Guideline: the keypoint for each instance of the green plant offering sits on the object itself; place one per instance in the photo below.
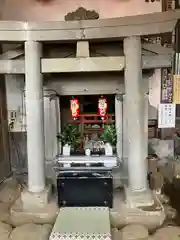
(109, 135)
(69, 136)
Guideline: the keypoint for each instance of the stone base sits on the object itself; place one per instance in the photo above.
(42, 215)
(139, 199)
(134, 232)
(150, 216)
(35, 200)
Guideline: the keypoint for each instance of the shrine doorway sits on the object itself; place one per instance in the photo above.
(89, 123)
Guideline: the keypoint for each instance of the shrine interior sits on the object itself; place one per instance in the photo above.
(89, 123)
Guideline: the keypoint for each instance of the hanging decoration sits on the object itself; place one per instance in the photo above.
(102, 107)
(75, 109)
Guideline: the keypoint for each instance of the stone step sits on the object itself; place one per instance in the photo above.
(92, 223)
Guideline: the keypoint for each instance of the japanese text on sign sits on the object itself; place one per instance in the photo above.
(166, 115)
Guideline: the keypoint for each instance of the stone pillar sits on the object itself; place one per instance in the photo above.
(119, 125)
(137, 168)
(59, 124)
(35, 117)
(146, 106)
(82, 49)
(125, 137)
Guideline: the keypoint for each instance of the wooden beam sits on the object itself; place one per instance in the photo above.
(13, 53)
(157, 49)
(157, 61)
(98, 64)
(148, 53)
(115, 28)
(82, 50)
(95, 64)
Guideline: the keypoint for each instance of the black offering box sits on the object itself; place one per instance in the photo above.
(85, 188)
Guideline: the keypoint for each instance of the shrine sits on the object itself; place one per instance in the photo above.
(131, 97)
(83, 87)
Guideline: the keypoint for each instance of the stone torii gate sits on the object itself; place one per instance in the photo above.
(128, 29)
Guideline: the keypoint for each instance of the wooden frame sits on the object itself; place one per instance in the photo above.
(83, 119)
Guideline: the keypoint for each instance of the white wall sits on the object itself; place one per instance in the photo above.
(14, 89)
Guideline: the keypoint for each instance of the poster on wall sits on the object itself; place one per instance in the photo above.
(176, 89)
(167, 86)
(166, 115)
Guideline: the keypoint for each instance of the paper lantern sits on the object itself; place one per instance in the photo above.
(74, 108)
(102, 107)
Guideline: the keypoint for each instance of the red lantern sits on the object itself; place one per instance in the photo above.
(102, 107)
(74, 108)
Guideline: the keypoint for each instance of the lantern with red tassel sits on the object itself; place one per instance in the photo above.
(75, 109)
(102, 107)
